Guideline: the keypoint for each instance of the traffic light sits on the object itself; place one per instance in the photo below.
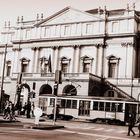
(19, 78)
(58, 77)
(34, 85)
(55, 89)
(33, 94)
(18, 90)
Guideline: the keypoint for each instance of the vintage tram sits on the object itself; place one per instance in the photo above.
(105, 109)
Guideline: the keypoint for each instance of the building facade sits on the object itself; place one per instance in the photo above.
(89, 48)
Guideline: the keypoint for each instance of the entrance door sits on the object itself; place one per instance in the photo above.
(130, 109)
(84, 108)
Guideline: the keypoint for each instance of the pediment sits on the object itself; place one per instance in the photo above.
(67, 15)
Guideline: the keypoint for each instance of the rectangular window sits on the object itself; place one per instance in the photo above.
(112, 70)
(113, 107)
(8, 70)
(84, 108)
(27, 34)
(47, 32)
(64, 67)
(107, 107)
(52, 102)
(120, 107)
(95, 105)
(89, 28)
(63, 102)
(24, 67)
(68, 103)
(43, 104)
(101, 106)
(115, 26)
(74, 104)
(67, 30)
(86, 67)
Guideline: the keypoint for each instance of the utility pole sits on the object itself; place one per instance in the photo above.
(104, 43)
(2, 79)
(58, 80)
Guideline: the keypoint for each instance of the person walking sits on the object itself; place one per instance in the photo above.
(32, 109)
(28, 110)
(138, 121)
(131, 123)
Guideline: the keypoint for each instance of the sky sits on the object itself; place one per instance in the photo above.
(11, 9)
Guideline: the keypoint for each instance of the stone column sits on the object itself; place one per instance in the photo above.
(56, 58)
(16, 62)
(128, 59)
(77, 59)
(33, 59)
(97, 60)
(1, 62)
(36, 66)
(72, 65)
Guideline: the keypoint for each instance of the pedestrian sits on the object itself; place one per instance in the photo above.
(131, 123)
(56, 112)
(19, 108)
(24, 108)
(28, 110)
(13, 112)
(32, 109)
(138, 121)
(6, 108)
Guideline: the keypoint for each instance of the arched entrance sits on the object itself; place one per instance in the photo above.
(22, 96)
(70, 90)
(45, 89)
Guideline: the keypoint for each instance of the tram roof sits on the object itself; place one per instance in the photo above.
(99, 98)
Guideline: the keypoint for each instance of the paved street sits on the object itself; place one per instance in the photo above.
(74, 130)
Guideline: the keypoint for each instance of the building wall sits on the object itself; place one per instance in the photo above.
(74, 34)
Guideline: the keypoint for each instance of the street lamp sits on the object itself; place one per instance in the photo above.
(2, 79)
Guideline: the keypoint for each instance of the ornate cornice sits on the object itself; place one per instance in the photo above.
(2, 52)
(16, 49)
(35, 48)
(126, 44)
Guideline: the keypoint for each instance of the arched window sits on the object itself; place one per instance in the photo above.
(45, 89)
(70, 90)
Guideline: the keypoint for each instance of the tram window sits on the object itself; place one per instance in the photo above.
(113, 107)
(84, 108)
(101, 106)
(63, 103)
(43, 103)
(107, 108)
(139, 109)
(74, 104)
(120, 107)
(95, 105)
(68, 103)
(52, 102)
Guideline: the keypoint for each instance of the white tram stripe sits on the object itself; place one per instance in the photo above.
(102, 137)
(110, 130)
(97, 129)
(122, 131)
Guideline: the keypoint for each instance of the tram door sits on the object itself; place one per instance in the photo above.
(84, 108)
(130, 108)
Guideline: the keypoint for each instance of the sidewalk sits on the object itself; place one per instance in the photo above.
(22, 121)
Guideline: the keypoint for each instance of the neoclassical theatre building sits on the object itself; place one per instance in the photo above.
(97, 51)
